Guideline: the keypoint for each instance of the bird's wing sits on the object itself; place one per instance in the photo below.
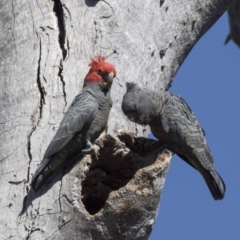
(187, 129)
(186, 111)
(81, 112)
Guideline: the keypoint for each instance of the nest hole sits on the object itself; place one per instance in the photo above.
(114, 169)
(101, 180)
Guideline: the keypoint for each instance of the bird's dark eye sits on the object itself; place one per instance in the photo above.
(99, 70)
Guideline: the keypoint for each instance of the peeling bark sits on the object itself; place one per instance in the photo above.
(109, 194)
(120, 189)
(45, 50)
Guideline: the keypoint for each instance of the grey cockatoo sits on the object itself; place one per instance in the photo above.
(82, 124)
(172, 121)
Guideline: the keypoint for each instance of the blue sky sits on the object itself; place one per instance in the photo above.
(209, 80)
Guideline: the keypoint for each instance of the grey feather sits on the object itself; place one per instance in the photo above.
(173, 122)
(165, 124)
(82, 124)
(81, 112)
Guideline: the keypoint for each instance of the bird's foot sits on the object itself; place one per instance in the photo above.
(99, 143)
(90, 149)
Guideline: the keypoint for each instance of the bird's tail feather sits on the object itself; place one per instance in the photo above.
(215, 184)
(41, 175)
(40, 181)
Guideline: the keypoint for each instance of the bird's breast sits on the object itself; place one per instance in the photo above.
(100, 120)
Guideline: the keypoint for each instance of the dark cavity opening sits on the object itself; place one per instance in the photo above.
(115, 168)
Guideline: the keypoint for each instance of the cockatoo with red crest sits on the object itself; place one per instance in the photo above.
(82, 124)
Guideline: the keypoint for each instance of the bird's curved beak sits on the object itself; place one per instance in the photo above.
(108, 79)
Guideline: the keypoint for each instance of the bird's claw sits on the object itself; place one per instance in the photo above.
(90, 149)
(99, 143)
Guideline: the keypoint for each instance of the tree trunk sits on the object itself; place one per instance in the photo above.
(234, 23)
(45, 50)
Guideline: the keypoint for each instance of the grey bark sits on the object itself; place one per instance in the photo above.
(234, 23)
(45, 50)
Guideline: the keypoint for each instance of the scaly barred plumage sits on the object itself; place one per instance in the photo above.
(82, 124)
(172, 121)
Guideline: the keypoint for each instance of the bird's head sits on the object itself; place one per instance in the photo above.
(101, 73)
(137, 104)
